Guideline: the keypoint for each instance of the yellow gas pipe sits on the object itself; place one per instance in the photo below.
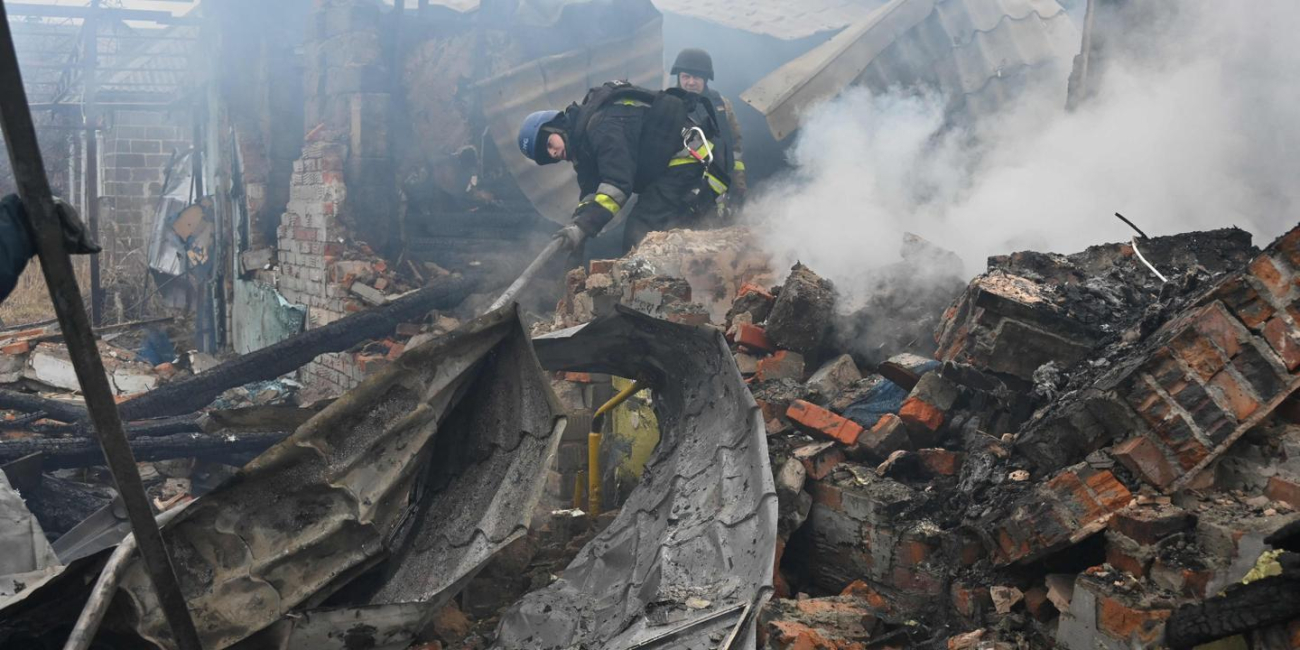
(593, 446)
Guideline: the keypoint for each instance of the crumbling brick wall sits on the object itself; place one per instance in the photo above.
(342, 192)
(137, 147)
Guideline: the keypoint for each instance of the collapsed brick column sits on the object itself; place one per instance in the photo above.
(1218, 370)
(342, 195)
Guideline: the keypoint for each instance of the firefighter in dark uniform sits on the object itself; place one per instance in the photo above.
(694, 70)
(623, 140)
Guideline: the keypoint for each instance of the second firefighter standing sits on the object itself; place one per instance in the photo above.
(693, 71)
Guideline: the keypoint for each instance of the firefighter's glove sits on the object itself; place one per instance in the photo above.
(591, 217)
(76, 238)
(571, 235)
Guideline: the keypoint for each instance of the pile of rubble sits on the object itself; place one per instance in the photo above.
(1074, 452)
(1089, 447)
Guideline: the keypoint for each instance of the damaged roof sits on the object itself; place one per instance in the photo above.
(414, 479)
(783, 20)
(979, 52)
(689, 559)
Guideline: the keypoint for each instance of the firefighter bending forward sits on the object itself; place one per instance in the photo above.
(622, 140)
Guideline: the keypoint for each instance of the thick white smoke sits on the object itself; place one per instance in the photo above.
(1204, 134)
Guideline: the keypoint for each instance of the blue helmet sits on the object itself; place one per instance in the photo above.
(531, 142)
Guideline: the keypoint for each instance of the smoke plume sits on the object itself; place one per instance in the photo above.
(1197, 131)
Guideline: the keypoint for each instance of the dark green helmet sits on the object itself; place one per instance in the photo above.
(694, 61)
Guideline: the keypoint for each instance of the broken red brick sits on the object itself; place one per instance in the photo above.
(860, 589)
(1146, 459)
(888, 436)
(970, 601)
(1240, 398)
(814, 419)
(1110, 493)
(753, 337)
(578, 377)
(1147, 524)
(1268, 273)
(1199, 354)
(827, 495)
(781, 365)
(1123, 560)
(1285, 490)
(1214, 323)
(1119, 621)
(1074, 495)
(821, 462)
(165, 370)
(1285, 341)
(18, 348)
(912, 552)
(601, 266)
(1288, 246)
(941, 462)
(1246, 303)
(917, 413)
(1187, 582)
(790, 635)
(1038, 605)
(17, 337)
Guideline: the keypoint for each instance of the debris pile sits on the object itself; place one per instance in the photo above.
(1086, 448)
(1083, 453)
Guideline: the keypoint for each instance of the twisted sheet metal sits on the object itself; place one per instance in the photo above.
(415, 478)
(689, 558)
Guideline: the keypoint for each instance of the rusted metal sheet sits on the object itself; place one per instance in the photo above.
(554, 82)
(689, 558)
(979, 52)
(415, 479)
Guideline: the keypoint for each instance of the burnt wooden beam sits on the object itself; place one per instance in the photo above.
(194, 393)
(64, 453)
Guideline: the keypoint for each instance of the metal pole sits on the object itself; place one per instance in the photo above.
(90, 59)
(34, 188)
(552, 249)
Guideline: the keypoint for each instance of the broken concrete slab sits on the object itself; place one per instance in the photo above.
(834, 376)
(801, 317)
(716, 263)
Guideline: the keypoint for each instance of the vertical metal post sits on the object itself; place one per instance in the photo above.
(34, 188)
(90, 61)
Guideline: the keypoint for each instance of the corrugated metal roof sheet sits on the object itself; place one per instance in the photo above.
(978, 51)
(784, 20)
(553, 83)
(701, 524)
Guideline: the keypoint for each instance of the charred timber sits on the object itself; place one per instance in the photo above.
(193, 393)
(65, 453)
